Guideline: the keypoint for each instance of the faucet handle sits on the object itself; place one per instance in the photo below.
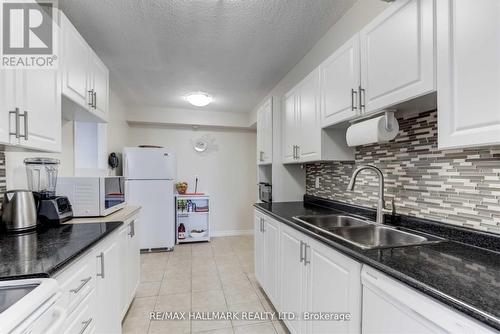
(391, 209)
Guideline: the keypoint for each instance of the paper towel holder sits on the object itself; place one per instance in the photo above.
(390, 119)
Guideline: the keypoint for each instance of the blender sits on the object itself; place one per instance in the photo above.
(42, 181)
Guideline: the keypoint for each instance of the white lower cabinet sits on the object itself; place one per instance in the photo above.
(266, 259)
(317, 279)
(392, 307)
(98, 288)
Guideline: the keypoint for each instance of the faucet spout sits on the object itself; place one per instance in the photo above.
(380, 176)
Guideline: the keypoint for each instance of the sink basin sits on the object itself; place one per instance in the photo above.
(375, 236)
(362, 233)
(328, 222)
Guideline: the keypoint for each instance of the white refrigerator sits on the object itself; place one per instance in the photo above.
(149, 182)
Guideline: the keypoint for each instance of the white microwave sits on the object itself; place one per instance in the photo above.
(93, 196)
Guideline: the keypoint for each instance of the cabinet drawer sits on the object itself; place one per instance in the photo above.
(77, 281)
(83, 319)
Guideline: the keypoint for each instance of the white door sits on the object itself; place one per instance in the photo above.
(123, 236)
(397, 54)
(99, 78)
(156, 198)
(40, 96)
(148, 164)
(333, 285)
(292, 278)
(7, 104)
(75, 65)
(134, 256)
(107, 287)
(268, 132)
(271, 258)
(340, 80)
(309, 119)
(468, 40)
(259, 249)
(290, 135)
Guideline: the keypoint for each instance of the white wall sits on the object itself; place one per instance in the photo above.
(289, 181)
(226, 171)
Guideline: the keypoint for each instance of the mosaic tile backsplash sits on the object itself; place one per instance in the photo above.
(460, 186)
(3, 184)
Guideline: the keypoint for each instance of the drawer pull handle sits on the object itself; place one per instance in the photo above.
(85, 325)
(84, 282)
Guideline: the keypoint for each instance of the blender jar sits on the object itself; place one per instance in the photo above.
(42, 175)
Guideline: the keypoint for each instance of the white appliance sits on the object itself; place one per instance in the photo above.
(149, 182)
(93, 196)
(31, 306)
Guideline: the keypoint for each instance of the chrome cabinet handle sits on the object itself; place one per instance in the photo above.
(362, 97)
(354, 105)
(15, 112)
(95, 100)
(298, 152)
(101, 256)
(302, 251)
(261, 156)
(84, 282)
(306, 261)
(25, 116)
(263, 226)
(132, 229)
(85, 324)
(91, 98)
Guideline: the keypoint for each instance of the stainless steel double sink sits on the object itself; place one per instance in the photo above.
(364, 233)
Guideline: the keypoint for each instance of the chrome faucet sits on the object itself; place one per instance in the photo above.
(381, 201)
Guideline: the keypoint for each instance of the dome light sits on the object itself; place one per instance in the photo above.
(198, 99)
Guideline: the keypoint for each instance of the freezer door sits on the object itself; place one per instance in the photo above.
(156, 197)
(148, 163)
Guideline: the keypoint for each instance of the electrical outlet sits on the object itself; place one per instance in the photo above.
(316, 185)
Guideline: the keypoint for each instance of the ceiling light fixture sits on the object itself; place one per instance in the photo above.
(198, 99)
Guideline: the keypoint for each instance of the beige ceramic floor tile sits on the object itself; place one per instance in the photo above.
(170, 327)
(174, 286)
(205, 300)
(141, 307)
(202, 283)
(152, 275)
(246, 308)
(133, 325)
(219, 331)
(239, 296)
(173, 303)
(263, 328)
(280, 327)
(148, 289)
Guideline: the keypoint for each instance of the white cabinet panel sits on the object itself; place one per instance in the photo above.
(271, 258)
(340, 80)
(334, 285)
(265, 134)
(99, 79)
(309, 145)
(468, 39)
(75, 64)
(290, 136)
(129, 263)
(40, 96)
(292, 278)
(7, 104)
(397, 54)
(259, 248)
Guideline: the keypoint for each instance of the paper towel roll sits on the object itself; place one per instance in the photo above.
(372, 131)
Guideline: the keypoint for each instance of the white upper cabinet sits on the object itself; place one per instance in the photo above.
(340, 80)
(303, 138)
(6, 104)
(85, 77)
(265, 134)
(398, 55)
(468, 41)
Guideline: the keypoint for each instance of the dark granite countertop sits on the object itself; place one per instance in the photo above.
(463, 276)
(48, 250)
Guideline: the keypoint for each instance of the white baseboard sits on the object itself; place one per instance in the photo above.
(230, 233)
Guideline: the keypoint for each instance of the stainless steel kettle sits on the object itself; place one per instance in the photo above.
(19, 212)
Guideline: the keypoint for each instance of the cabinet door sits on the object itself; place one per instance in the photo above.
(468, 78)
(290, 135)
(75, 65)
(308, 119)
(271, 258)
(40, 96)
(260, 137)
(265, 134)
(134, 256)
(99, 78)
(340, 80)
(124, 269)
(107, 287)
(333, 285)
(292, 278)
(397, 54)
(7, 104)
(259, 249)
